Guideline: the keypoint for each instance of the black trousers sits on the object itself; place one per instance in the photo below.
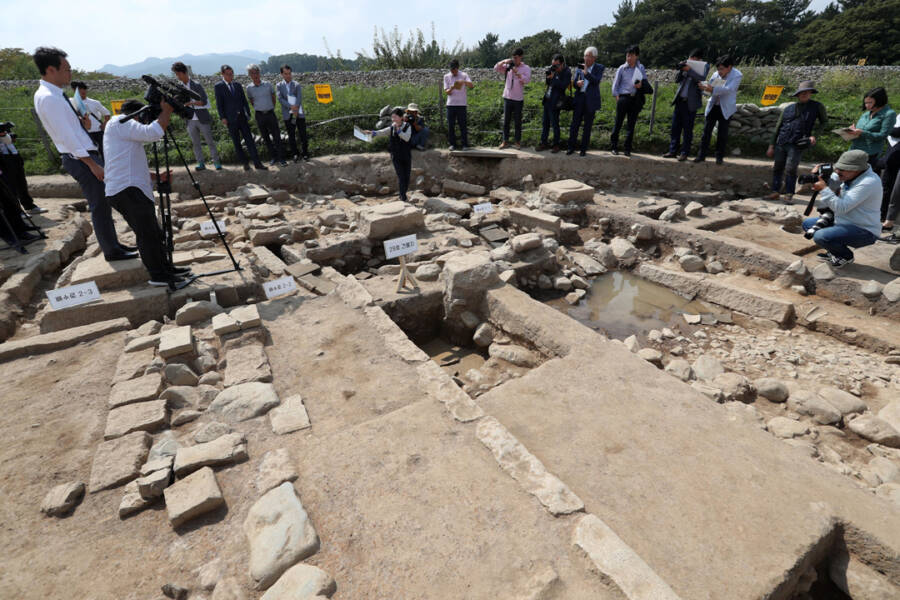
(891, 165)
(268, 128)
(12, 215)
(512, 111)
(715, 116)
(97, 138)
(13, 167)
(298, 123)
(242, 128)
(626, 107)
(456, 115)
(403, 167)
(682, 128)
(580, 114)
(140, 214)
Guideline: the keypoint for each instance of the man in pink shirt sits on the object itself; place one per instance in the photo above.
(518, 74)
(456, 86)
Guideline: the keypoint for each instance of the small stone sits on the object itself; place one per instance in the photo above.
(692, 319)
(713, 393)
(301, 582)
(707, 367)
(180, 374)
(631, 342)
(290, 416)
(171, 590)
(579, 282)
(195, 312)
(875, 430)
(62, 498)
(196, 494)
(428, 272)
(524, 242)
(514, 354)
(484, 335)
(181, 396)
(735, 387)
(807, 403)
(714, 267)
(692, 263)
(166, 446)
(224, 323)
(211, 431)
(693, 209)
(871, 289)
(275, 468)
(244, 401)
(680, 368)
(562, 283)
(469, 319)
(786, 428)
(184, 416)
(246, 316)
(673, 213)
(772, 389)
(575, 296)
(226, 449)
(176, 341)
(844, 402)
(823, 272)
(158, 464)
(151, 486)
(544, 282)
(211, 378)
(623, 250)
(651, 355)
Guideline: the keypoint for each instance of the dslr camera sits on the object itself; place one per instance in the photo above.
(551, 70)
(6, 128)
(825, 172)
(509, 65)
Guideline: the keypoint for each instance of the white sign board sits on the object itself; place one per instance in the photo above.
(400, 246)
(280, 286)
(73, 295)
(484, 208)
(208, 228)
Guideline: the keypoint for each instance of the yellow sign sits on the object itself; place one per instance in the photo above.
(323, 93)
(116, 106)
(861, 63)
(771, 94)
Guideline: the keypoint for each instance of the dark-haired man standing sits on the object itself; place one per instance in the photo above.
(235, 114)
(722, 87)
(76, 149)
(201, 122)
(517, 74)
(262, 98)
(93, 110)
(558, 80)
(291, 100)
(626, 89)
(688, 99)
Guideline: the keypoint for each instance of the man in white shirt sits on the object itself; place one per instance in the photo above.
(96, 113)
(130, 191)
(78, 153)
(722, 104)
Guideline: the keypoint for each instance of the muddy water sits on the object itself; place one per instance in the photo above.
(455, 360)
(620, 304)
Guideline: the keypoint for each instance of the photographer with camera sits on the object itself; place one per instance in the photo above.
(587, 100)
(793, 135)
(720, 107)
(262, 98)
(13, 167)
(854, 209)
(400, 131)
(456, 86)
(235, 115)
(420, 133)
(129, 187)
(628, 89)
(79, 155)
(687, 101)
(558, 77)
(201, 122)
(96, 113)
(517, 75)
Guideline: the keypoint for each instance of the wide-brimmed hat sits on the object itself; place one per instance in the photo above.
(413, 107)
(806, 86)
(853, 160)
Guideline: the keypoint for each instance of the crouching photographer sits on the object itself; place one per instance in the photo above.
(853, 209)
(129, 188)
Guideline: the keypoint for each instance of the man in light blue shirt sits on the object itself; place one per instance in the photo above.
(856, 207)
(261, 95)
(626, 89)
(722, 104)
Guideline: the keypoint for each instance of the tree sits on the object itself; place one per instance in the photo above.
(15, 63)
(392, 52)
(487, 51)
(868, 30)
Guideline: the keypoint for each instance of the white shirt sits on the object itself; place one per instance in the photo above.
(95, 109)
(891, 139)
(60, 121)
(123, 151)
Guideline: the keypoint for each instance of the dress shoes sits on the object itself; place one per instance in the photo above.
(669, 155)
(122, 256)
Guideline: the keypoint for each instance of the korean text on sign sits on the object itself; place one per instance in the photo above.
(400, 246)
(279, 286)
(73, 295)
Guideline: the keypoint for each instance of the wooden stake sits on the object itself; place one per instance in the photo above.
(405, 277)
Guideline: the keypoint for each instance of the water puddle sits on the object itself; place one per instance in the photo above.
(620, 304)
(454, 360)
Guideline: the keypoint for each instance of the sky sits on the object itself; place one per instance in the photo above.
(126, 32)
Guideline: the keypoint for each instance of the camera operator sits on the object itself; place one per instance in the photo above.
(130, 191)
(235, 114)
(400, 132)
(793, 134)
(96, 113)
(856, 207)
(558, 77)
(420, 133)
(587, 100)
(262, 98)
(78, 152)
(687, 101)
(627, 90)
(13, 167)
(517, 74)
(456, 86)
(201, 122)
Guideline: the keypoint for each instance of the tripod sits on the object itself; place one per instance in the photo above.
(164, 189)
(16, 242)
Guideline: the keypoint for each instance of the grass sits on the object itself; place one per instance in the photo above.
(331, 125)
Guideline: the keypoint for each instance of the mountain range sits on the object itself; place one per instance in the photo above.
(201, 64)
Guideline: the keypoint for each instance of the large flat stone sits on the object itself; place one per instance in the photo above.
(110, 275)
(50, 342)
(141, 416)
(280, 534)
(390, 219)
(567, 190)
(275, 468)
(62, 498)
(193, 496)
(176, 341)
(535, 219)
(244, 401)
(245, 364)
(146, 387)
(225, 449)
(138, 305)
(301, 582)
(119, 461)
(289, 416)
(133, 364)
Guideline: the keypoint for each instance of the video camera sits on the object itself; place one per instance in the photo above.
(157, 91)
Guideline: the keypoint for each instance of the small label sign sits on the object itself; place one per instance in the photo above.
(484, 208)
(400, 246)
(208, 228)
(280, 286)
(73, 295)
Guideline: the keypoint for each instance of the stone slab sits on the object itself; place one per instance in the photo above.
(119, 461)
(176, 341)
(316, 284)
(244, 401)
(301, 582)
(290, 416)
(62, 498)
(275, 468)
(390, 219)
(564, 191)
(225, 449)
(110, 275)
(246, 316)
(479, 153)
(133, 364)
(146, 387)
(141, 416)
(193, 496)
(267, 258)
(245, 364)
(534, 219)
(58, 340)
(138, 305)
(300, 269)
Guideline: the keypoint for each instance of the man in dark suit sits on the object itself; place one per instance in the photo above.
(586, 101)
(201, 123)
(558, 80)
(234, 110)
(688, 100)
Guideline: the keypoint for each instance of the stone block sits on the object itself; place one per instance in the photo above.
(455, 188)
(132, 501)
(875, 430)
(197, 311)
(466, 278)
(152, 485)
(193, 496)
(118, 461)
(62, 498)
(786, 428)
(244, 401)
(270, 235)
(390, 219)
(447, 205)
(176, 341)
(49, 342)
(133, 364)
(143, 342)
(141, 416)
(290, 416)
(245, 364)
(301, 582)
(224, 323)
(525, 242)
(267, 258)
(565, 191)
(514, 354)
(280, 534)
(226, 449)
(332, 247)
(246, 316)
(146, 387)
(275, 468)
(534, 219)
